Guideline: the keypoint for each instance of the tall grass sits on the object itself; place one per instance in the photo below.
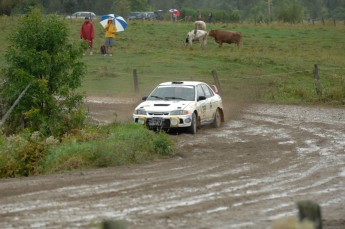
(114, 145)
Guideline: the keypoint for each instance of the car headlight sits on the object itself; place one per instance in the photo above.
(140, 112)
(174, 121)
(179, 112)
(142, 120)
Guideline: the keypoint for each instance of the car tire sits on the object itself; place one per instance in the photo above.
(217, 122)
(193, 127)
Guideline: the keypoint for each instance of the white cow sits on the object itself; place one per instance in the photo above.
(196, 35)
(199, 25)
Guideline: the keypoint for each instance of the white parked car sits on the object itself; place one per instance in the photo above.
(83, 14)
(182, 104)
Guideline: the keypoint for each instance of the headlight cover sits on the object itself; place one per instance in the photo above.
(179, 112)
(140, 112)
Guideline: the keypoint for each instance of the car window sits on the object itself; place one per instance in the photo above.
(157, 94)
(200, 91)
(185, 93)
(173, 93)
(208, 92)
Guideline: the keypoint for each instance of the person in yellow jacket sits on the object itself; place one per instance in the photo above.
(110, 31)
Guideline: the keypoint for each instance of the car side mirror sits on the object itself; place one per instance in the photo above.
(144, 98)
(201, 97)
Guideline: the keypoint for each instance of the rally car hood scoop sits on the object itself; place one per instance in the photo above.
(160, 104)
(163, 105)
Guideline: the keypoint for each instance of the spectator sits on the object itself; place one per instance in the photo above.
(110, 31)
(87, 33)
(174, 17)
(210, 17)
(199, 17)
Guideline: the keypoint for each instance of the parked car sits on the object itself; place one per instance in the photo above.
(181, 104)
(135, 15)
(159, 15)
(141, 16)
(83, 14)
(150, 16)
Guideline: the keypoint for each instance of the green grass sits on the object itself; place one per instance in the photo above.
(274, 58)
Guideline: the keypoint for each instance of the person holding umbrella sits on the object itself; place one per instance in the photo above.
(110, 31)
(87, 33)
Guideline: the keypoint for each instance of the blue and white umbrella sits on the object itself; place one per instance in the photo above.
(118, 21)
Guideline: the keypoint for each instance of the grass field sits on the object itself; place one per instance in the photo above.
(275, 63)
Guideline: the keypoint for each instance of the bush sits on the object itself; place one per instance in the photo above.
(21, 155)
(124, 144)
(117, 144)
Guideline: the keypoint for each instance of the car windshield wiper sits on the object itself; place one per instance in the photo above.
(156, 97)
(177, 98)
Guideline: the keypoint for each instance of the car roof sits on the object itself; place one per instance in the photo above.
(181, 83)
(84, 12)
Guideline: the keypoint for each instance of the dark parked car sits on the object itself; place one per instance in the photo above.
(141, 16)
(150, 16)
(134, 15)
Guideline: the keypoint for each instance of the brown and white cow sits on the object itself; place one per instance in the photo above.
(225, 36)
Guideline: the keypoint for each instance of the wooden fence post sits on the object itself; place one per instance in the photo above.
(216, 81)
(317, 81)
(309, 210)
(135, 80)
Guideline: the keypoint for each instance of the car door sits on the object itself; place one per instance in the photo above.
(211, 103)
(201, 104)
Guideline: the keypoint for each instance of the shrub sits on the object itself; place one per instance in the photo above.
(124, 144)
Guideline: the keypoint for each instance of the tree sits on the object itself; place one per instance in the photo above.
(290, 11)
(7, 6)
(41, 56)
(258, 11)
(138, 5)
(122, 7)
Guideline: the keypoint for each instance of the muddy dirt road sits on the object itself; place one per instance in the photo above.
(246, 174)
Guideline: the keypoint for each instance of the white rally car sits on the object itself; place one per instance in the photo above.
(181, 104)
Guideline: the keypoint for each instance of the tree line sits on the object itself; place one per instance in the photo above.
(293, 11)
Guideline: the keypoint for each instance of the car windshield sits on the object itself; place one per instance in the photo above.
(186, 93)
(133, 14)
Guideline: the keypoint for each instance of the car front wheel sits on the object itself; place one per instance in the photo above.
(193, 126)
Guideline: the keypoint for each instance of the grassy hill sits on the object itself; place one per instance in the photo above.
(275, 63)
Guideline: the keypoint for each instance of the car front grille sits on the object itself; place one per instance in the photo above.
(158, 113)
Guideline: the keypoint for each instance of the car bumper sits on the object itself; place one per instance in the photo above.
(165, 122)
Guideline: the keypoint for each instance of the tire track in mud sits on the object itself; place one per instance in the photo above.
(244, 175)
(301, 158)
